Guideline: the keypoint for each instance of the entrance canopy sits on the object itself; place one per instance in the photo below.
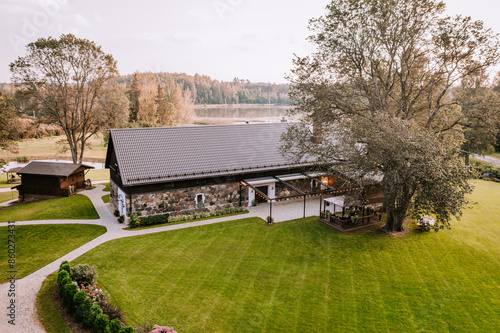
(317, 188)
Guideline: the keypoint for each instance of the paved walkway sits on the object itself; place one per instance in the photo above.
(27, 288)
(487, 159)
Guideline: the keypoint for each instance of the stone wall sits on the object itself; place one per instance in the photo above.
(183, 201)
(113, 194)
(284, 191)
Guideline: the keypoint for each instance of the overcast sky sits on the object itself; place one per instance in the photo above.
(249, 39)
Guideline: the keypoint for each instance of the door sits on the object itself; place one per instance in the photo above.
(263, 189)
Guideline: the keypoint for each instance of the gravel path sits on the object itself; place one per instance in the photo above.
(27, 288)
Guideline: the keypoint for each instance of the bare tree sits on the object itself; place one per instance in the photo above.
(67, 76)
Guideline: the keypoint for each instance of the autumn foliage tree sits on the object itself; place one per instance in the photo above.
(390, 91)
(68, 77)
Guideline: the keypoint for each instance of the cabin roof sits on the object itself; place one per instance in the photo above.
(58, 169)
(163, 154)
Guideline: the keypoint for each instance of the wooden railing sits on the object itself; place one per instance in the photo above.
(347, 223)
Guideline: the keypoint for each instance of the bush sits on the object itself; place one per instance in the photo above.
(112, 312)
(115, 325)
(269, 220)
(65, 266)
(61, 275)
(127, 329)
(69, 293)
(132, 221)
(254, 202)
(83, 309)
(84, 274)
(116, 213)
(152, 220)
(96, 294)
(121, 219)
(200, 215)
(100, 324)
(65, 281)
(89, 317)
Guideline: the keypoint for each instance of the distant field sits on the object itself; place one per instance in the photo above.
(47, 148)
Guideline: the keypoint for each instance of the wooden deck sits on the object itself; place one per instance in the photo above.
(346, 225)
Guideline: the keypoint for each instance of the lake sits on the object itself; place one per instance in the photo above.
(240, 113)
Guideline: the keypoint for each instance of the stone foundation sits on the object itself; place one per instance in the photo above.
(183, 201)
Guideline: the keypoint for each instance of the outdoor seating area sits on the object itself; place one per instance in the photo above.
(347, 215)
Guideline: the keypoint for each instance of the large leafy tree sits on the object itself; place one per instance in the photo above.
(8, 123)
(390, 91)
(67, 77)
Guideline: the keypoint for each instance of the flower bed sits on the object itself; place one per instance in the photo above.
(89, 305)
(136, 222)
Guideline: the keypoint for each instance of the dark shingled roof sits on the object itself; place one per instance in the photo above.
(156, 155)
(51, 168)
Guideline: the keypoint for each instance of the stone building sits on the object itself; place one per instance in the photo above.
(181, 170)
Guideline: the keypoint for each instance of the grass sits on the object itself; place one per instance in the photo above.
(47, 148)
(47, 312)
(105, 198)
(300, 275)
(495, 155)
(106, 188)
(3, 181)
(6, 196)
(74, 207)
(39, 245)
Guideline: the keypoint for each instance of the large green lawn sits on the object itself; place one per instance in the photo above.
(39, 245)
(302, 276)
(74, 207)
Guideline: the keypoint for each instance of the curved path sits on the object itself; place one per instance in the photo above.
(27, 288)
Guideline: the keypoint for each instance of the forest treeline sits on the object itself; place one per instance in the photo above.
(205, 90)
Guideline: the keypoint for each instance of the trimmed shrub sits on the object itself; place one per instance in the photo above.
(65, 266)
(79, 297)
(70, 291)
(101, 323)
(65, 281)
(84, 274)
(115, 326)
(152, 220)
(83, 309)
(121, 219)
(89, 317)
(61, 275)
(116, 213)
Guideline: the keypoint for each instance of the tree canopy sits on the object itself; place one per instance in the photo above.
(68, 79)
(391, 89)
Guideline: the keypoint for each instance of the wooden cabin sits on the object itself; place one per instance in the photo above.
(40, 180)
